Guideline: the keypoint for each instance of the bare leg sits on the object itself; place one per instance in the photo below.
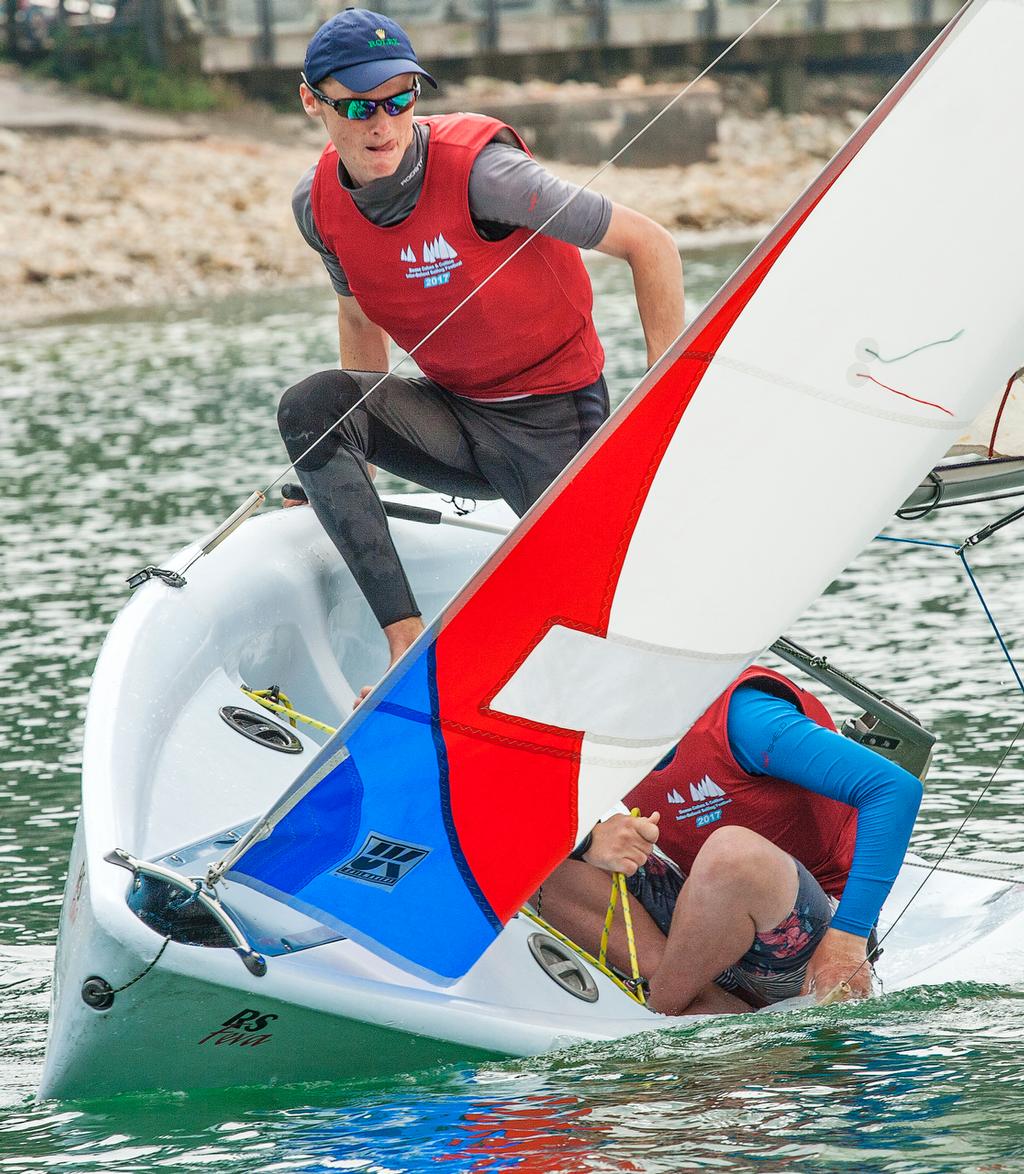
(575, 900)
(740, 885)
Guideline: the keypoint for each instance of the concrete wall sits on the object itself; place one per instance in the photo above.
(590, 127)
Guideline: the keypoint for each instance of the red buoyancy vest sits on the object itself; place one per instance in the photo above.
(528, 330)
(704, 788)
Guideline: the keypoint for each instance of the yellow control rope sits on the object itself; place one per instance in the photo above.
(619, 889)
(609, 916)
(283, 706)
(636, 996)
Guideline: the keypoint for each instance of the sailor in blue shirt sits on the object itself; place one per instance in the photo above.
(750, 917)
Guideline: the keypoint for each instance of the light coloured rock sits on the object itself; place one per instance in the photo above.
(632, 83)
(10, 142)
(87, 223)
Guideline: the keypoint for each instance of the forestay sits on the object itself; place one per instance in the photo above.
(749, 467)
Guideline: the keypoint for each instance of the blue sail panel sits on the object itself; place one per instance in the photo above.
(353, 856)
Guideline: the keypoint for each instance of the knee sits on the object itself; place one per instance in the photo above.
(311, 408)
(734, 856)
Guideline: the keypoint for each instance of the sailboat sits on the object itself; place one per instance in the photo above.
(249, 902)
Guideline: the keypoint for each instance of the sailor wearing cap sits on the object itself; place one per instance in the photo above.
(411, 217)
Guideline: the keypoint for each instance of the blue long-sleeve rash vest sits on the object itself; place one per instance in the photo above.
(767, 731)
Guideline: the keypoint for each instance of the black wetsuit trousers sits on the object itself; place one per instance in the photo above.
(419, 431)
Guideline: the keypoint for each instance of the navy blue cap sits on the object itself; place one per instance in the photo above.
(362, 50)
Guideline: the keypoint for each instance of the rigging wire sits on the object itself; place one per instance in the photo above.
(945, 851)
(1008, 878)
(494, 272)
(935, 865)
(960, 552)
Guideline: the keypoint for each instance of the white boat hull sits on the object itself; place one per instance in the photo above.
(274, 605)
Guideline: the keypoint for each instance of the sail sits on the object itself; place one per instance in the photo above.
(999, 430)
(750, 466)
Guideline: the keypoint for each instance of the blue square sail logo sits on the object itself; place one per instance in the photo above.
(381, 861)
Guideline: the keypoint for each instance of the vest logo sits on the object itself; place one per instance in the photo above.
(440, 261)
(381, 861)
(438, 249)
(707, 788)
(706, 803)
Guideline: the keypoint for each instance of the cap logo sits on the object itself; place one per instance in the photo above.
(380, 33)
(383, 40)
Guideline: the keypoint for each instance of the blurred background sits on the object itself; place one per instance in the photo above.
(508, 37)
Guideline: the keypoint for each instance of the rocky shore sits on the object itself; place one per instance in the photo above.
(123, 217)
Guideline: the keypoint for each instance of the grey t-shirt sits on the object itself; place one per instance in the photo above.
(507, 190)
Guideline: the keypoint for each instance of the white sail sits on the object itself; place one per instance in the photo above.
(999, 430)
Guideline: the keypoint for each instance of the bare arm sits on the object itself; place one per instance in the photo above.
(839, 958)
(363, 345)
(651, 254)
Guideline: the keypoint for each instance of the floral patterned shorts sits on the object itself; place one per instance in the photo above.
(774, 966)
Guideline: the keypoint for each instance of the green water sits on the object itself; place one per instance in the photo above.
(124, 437)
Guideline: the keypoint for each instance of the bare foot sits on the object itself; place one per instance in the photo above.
(400, 635)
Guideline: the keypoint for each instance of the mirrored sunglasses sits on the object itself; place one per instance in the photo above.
(360, 109)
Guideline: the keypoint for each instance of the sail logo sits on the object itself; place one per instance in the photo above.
(439, 261)
(707, 788)
(674, 797)
(381, 861)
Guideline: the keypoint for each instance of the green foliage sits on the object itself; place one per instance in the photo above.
(114, 66)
